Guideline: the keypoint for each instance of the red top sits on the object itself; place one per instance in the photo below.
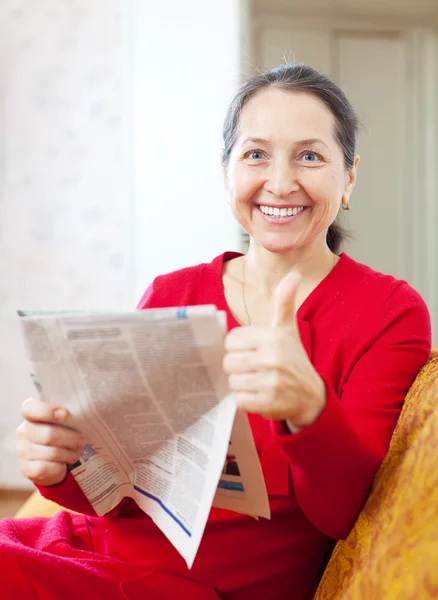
(367, 335)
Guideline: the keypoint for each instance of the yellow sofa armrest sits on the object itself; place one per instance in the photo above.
(392, 551)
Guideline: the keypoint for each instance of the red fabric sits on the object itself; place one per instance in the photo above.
(367, 335)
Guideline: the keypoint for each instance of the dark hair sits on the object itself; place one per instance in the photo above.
(297, 77)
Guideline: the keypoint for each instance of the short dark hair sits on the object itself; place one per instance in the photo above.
(297, 77)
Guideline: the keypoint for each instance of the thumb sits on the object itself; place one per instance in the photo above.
(285, 300)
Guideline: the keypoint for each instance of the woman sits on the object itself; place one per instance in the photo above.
(326, 354)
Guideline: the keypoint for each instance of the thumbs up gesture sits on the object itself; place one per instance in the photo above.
(268, 367)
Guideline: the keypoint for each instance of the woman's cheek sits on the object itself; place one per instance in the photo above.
(322, 191)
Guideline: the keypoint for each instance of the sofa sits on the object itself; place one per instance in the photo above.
(392, 551)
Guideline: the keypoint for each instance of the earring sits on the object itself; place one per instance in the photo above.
(346, 205)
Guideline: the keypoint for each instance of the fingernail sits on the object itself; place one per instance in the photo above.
(60, 413)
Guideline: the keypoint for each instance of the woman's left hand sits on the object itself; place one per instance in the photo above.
(269, 370)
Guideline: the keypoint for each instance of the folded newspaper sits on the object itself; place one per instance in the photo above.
(149, 393)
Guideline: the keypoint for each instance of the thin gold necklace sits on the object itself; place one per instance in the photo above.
(244, 285)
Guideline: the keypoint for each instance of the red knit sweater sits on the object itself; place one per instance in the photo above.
(367, 335)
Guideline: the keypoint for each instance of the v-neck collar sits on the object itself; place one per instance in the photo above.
(336, 274)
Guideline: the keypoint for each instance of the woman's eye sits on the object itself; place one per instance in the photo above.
(255, 155)
(311, 157)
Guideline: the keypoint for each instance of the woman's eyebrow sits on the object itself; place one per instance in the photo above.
(310, 141)
(255, 140)
(258, 140)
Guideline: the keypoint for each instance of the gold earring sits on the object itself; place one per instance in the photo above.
(346, 205)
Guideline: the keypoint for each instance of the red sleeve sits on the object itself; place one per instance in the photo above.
(334, 461)
(146, 301)
(69, 495)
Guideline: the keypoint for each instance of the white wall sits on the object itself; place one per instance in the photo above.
(186, 64)
(110, 122)
(64, 240)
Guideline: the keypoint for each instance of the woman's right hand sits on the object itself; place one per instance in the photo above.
(45, 446)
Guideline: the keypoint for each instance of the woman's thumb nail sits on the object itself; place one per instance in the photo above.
(60, 414)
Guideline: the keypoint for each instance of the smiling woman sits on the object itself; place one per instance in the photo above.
(320, 353)
(322, 99)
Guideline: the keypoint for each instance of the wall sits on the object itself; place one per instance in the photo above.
(185, 65)
(63, 211)
(110, 122)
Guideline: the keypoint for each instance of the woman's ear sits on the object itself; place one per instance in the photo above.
(351, 178)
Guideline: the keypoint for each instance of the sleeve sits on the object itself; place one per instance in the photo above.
(147, 300)
(334, 461)
(67, 493)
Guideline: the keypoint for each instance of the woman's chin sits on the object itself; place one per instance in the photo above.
(278, 244)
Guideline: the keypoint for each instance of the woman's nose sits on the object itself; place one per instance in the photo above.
(281, 180)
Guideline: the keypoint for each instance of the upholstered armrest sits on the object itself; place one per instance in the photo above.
(391, 551)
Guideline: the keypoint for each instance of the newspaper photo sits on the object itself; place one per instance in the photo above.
(148, 391)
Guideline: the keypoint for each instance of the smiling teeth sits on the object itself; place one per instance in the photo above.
(281, 212)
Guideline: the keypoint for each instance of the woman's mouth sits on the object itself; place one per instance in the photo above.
(274, 212)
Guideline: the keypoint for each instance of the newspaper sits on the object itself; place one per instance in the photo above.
(148, 391)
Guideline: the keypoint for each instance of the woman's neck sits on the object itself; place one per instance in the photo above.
(265, 270)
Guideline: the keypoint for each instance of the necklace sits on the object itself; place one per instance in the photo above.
(243, 290)
(244, 285)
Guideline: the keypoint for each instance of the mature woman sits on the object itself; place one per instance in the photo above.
(325, 354)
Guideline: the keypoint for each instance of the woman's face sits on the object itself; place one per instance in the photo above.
(286, 175)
